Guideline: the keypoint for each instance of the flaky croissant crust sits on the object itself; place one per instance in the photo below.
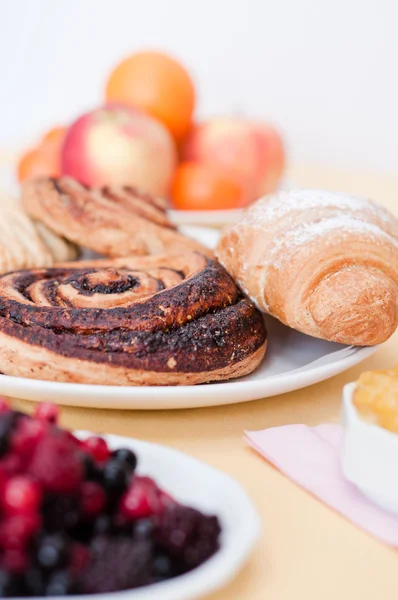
(323, 263)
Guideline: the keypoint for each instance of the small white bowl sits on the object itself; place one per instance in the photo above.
(369, 455)
(199, 485)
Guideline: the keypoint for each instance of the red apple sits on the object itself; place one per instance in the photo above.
(251, 150)
(119, 145)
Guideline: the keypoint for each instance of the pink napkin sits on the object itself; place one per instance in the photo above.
(310, 457)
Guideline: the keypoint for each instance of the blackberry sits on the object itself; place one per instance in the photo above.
(118, 564)
(188, 535)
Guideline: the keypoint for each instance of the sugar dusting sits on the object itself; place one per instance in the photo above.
(346, 215)
(284, 202)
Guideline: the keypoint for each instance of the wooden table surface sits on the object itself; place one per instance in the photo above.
(306, 551)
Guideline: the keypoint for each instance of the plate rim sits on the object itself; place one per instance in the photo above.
(126, 395)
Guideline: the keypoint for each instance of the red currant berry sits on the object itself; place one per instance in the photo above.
(97, 447)
(47, 411)
(72, 438)
(166, 500)
(93, 498)
(4, 406)
(21, 494)
(15, 560)
(79, 559)
(141, 500)
(26, 436)
(12, 464)
(16, 531)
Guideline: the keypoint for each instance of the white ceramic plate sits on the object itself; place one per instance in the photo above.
(292, 361)
(210, 218)
(194, 483)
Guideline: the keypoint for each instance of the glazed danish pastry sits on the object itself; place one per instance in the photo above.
(133, 321)
(112, 221)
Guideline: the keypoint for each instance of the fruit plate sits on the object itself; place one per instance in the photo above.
(196, 484)
(210, 218)
(213, 218)
(292, 361)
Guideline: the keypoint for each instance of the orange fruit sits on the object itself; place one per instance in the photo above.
(157, 84)
(54, 137)
(38, 162)
(202, 187)
(44, 160)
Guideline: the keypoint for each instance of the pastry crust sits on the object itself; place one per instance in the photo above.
(130, 321)
(22, 245)
(112, 221)
(321, 262)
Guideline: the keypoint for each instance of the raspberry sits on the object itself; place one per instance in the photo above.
(79, 559)
(12, 464)
(26, 436)
(21, 494)
(47, 411)
(188, 535)
(93, 498)
(15, 560)
(4, 406)
(16, 531)
(97, 447)
(56, 464)
(166, 500)
(141, 499)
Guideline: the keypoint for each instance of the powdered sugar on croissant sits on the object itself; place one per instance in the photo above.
(324, 263)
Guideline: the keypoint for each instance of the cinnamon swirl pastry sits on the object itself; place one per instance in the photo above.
(133, 321)
(113, 221)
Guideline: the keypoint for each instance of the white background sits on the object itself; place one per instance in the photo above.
(325, 71)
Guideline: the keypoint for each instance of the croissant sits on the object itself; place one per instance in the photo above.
(113, 221)
(129, 321)
(323, 263)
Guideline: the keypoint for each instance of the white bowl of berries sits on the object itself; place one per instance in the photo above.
(111, 516)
